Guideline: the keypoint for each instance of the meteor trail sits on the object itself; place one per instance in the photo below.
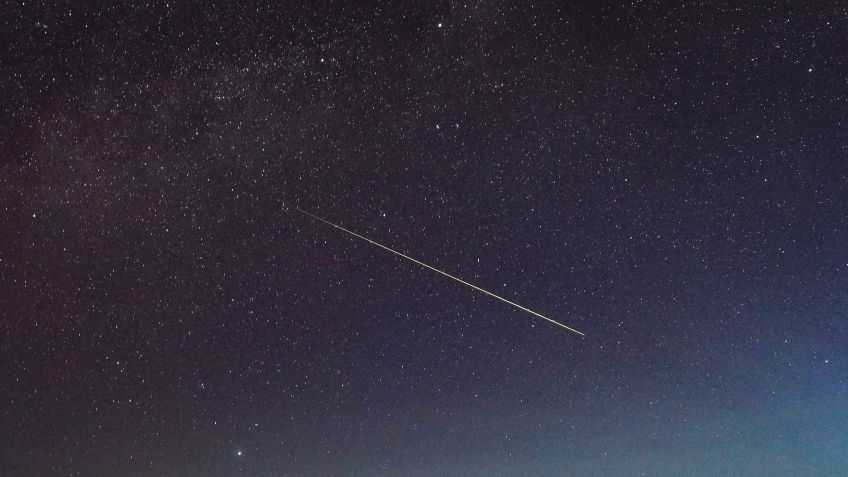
(471, 285)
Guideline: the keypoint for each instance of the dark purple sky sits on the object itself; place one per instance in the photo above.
(670, 178)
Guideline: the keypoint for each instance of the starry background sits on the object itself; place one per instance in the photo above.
(669, 178)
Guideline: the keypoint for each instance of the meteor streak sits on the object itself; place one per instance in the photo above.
(457, 279)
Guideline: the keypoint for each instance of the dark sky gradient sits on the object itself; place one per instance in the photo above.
(669, 178)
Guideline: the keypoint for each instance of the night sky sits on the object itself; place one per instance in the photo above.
(671, 179)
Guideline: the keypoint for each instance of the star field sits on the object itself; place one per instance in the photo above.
(670, 178)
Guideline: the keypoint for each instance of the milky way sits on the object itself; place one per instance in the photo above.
(669, 178)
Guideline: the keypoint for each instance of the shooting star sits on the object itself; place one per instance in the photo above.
(457, 279)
